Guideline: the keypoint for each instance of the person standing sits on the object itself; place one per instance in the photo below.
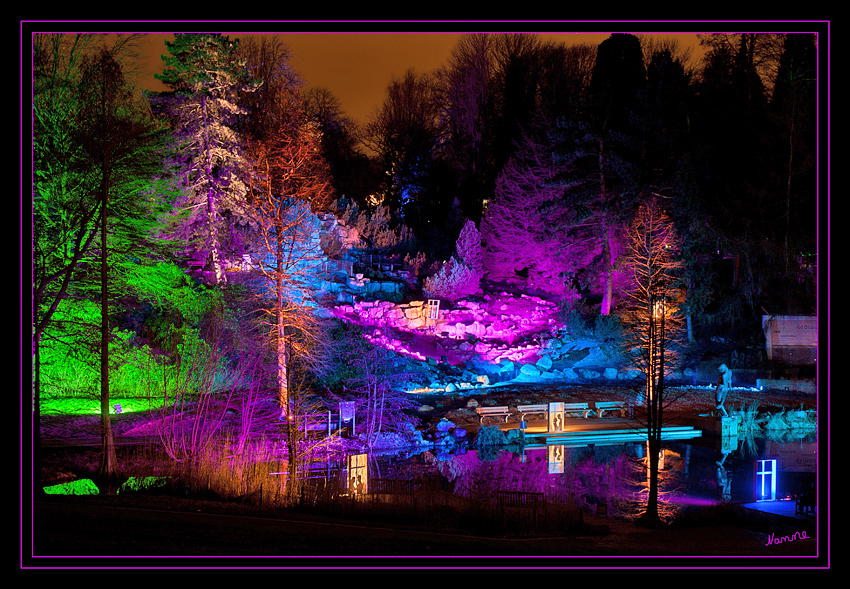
(724, 384)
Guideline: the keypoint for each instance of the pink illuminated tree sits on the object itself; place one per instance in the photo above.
(540, 222)
(469, 247)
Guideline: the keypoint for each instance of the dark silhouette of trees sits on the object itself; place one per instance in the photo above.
(793, 161)
(272, 79)
(403, 135)
(467, 108)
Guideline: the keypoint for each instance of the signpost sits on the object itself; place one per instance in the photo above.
(556, 417)
(346, 416)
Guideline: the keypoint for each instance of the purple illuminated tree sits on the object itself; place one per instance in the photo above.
(469, 247)
(461, 275)
(539, 222)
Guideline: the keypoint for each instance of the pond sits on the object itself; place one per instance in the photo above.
(612, 480)
(605, 478)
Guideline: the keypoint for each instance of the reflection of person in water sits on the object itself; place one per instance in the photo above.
(559, 426)
(723, 479)
(724, 385)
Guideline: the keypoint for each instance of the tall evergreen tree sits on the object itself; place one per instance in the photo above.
(610, 145)
(731, 126)
(206, 77)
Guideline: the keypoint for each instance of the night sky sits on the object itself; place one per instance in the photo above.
(358, 66)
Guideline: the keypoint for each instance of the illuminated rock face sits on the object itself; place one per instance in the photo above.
(501, 327)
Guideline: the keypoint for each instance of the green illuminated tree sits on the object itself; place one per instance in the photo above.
(120, 142)
(67, 203)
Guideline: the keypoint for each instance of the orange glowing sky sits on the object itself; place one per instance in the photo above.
(358, 66)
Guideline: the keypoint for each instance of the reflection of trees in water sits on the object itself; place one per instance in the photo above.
(615, 477)
(590, 477)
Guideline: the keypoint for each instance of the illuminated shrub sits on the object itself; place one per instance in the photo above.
(461, 275)
(453, 282)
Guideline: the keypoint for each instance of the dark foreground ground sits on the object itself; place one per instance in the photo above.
(94, 532)
(63, 532)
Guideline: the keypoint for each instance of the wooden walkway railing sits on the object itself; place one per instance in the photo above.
(519, 499)
(390, 486)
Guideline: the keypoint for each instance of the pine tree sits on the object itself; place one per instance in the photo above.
(206, 78)
(461, 275)
(540, 222)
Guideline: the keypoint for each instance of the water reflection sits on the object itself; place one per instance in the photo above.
(613, 479)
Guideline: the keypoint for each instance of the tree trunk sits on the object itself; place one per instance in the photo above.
(108, 473)
(212, 210)
(606, 237)
(655, 377)
(608, 294)
(38, 489)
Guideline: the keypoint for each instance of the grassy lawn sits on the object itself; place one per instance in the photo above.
(91, 406)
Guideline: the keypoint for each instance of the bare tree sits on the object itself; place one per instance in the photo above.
(654, 325)
(289, 181)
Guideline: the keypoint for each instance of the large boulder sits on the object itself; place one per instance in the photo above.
(544, 363)
(529, 370)
(570, 374)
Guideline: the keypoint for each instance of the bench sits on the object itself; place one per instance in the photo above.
(603, 406)
(492, 412)
(805, 504)
(532, 409)
(577, 408)
(544, 409)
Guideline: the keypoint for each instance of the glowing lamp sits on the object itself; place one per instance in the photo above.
(766, 480)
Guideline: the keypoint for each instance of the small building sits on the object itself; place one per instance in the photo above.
(792, 339)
